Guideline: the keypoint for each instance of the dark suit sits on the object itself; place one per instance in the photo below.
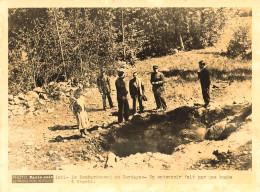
(136, 88)
(123, 106)
(204, 77)
(158, 89)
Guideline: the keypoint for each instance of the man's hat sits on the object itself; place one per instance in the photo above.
(155, 67)
(202, 63)
(120, 73)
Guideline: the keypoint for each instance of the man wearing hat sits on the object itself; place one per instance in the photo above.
(104, 89)
(204, 77)
(157, 80)
(123, 106)
(136, 89)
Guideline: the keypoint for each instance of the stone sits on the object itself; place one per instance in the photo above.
(10, 97)
(43, 96)
(11, 107)
(49, 110)
(11, 102)
(111, 160)
(42, 102)
(18, 111)
(32, 109)
(17, 101)
(37, 148)
(32, 96)
(29, 143)
(201, 111)
(38, 90)
(49, 153)
(21, 96)
(215, 131)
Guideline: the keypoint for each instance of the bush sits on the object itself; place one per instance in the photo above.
(240, 44)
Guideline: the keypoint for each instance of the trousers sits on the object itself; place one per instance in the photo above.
(205, 94)
(123, 109)
(104, 96)
(141, 107)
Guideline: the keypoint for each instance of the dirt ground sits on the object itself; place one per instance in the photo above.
(163, 140)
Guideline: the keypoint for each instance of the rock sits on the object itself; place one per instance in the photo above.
(51, 84)
(27, 151)
(228, 161)
(111, 160)
(37, 148)
(38, 90)
(36, 113)
(17, 101)
(32, 109)
(43, 96)
(56, 116)
(21, 96)
(201, 111)
(32, 96)
(11, 107)
(10, 97)
(215, 131)
(29, 143)
(65, 140)
(58, 138)
(42, 102)
(245, 152)
(29, 114)
(11, 102)
(49, 110)
(49, 153)
(18, 111)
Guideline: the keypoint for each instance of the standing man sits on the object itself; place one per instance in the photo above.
(123, 106)
(104, 89)
(204, 77)
(157, 80)
(136, 89)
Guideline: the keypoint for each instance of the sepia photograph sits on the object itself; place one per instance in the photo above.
(114, 95)
(130, 88)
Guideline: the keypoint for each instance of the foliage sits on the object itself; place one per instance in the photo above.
(240, 44)
(58, 44)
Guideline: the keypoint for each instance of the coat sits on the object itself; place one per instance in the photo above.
(121, 88)
(136, 87)
(80, 112)
(204, 77)
(103, 84)
(159, 79)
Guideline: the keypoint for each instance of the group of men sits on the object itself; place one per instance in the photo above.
(137, 90)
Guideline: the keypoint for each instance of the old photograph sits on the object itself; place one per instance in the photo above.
(130, 88)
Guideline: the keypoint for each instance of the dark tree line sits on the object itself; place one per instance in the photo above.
(59, 44)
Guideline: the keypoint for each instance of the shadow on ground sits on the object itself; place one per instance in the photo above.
(162, 132)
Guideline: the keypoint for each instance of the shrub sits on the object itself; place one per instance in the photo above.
(240, 44)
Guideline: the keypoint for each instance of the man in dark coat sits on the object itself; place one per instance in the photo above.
(204, 77)
(157, 80)
(136, 89)
(123, 106)
(104, 89)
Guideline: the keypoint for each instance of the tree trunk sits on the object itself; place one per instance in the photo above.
(61, 50)
(182, 45)
(123, 35)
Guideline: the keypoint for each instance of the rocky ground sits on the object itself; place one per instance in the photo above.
(43, 132)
